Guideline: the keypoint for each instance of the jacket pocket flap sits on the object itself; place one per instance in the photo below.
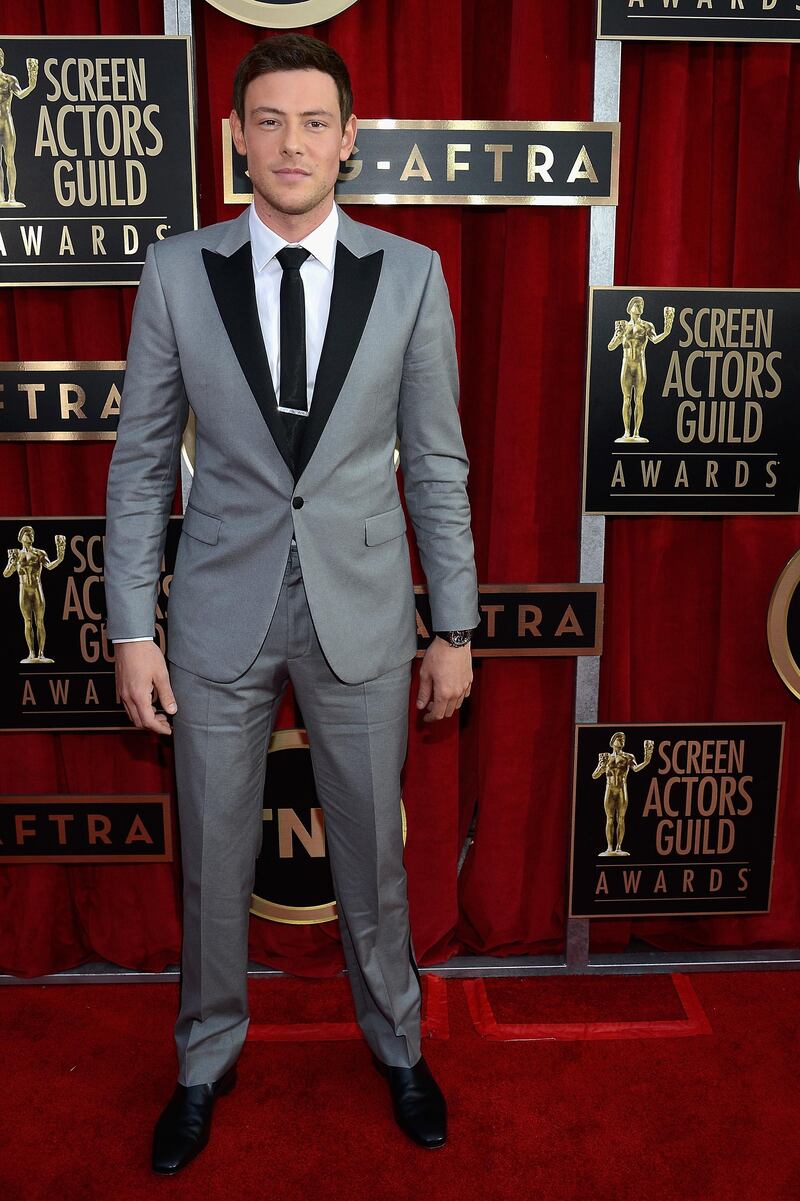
(384, 526)
(201, 526)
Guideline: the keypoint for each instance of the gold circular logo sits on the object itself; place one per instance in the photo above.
(293, 883)
(783, 625)
(281, 14)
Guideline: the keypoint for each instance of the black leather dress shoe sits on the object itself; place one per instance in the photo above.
(183, 1129)
(420, 1110)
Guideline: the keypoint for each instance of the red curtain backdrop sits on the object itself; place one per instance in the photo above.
(708, 195)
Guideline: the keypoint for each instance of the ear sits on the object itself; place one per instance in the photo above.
(348, 138)
(237, 133)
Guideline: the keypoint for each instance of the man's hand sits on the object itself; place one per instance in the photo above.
(445, 678)
(142, 675)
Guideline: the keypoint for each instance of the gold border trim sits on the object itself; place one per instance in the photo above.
(654, 725)
(777, 615)
(274, 912)
(65, 365)
(660, 512)
(279, 16)
(228, 194)
(98, 436)
(462, 123)
(288, 740)
(483, 201)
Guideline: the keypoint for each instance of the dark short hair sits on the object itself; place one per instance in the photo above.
(293, 52)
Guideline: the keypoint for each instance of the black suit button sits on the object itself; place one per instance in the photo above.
(298, 502)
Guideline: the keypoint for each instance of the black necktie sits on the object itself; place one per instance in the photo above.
(292, 392)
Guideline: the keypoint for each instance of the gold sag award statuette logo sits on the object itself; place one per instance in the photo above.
(9, 89)
(28, 564)
(633, 337)
(615, 767)
(285, 14)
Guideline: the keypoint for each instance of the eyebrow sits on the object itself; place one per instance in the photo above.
(279, 112)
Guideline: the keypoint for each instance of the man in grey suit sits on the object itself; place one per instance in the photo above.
(305, 343)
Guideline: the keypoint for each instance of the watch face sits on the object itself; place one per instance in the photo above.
(458, 637)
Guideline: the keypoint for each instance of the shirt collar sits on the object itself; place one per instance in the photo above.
(321, 242)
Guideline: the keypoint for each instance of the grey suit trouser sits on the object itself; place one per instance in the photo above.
(357, 737)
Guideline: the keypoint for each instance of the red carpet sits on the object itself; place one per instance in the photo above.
(610, 1089)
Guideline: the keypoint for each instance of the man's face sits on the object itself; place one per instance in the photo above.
(617, 745)
(293, 138)
(636, 311)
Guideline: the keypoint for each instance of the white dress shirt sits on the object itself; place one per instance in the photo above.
(317, 276)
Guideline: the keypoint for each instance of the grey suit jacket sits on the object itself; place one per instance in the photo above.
(387, 368)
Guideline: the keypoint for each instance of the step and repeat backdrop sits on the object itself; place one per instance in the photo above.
(666, 402)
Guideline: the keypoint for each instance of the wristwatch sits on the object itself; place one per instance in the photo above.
(455, 637)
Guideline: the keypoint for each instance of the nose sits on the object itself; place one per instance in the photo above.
(292, 142)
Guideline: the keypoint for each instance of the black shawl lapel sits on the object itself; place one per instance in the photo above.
(232, 283)
(355, 281)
